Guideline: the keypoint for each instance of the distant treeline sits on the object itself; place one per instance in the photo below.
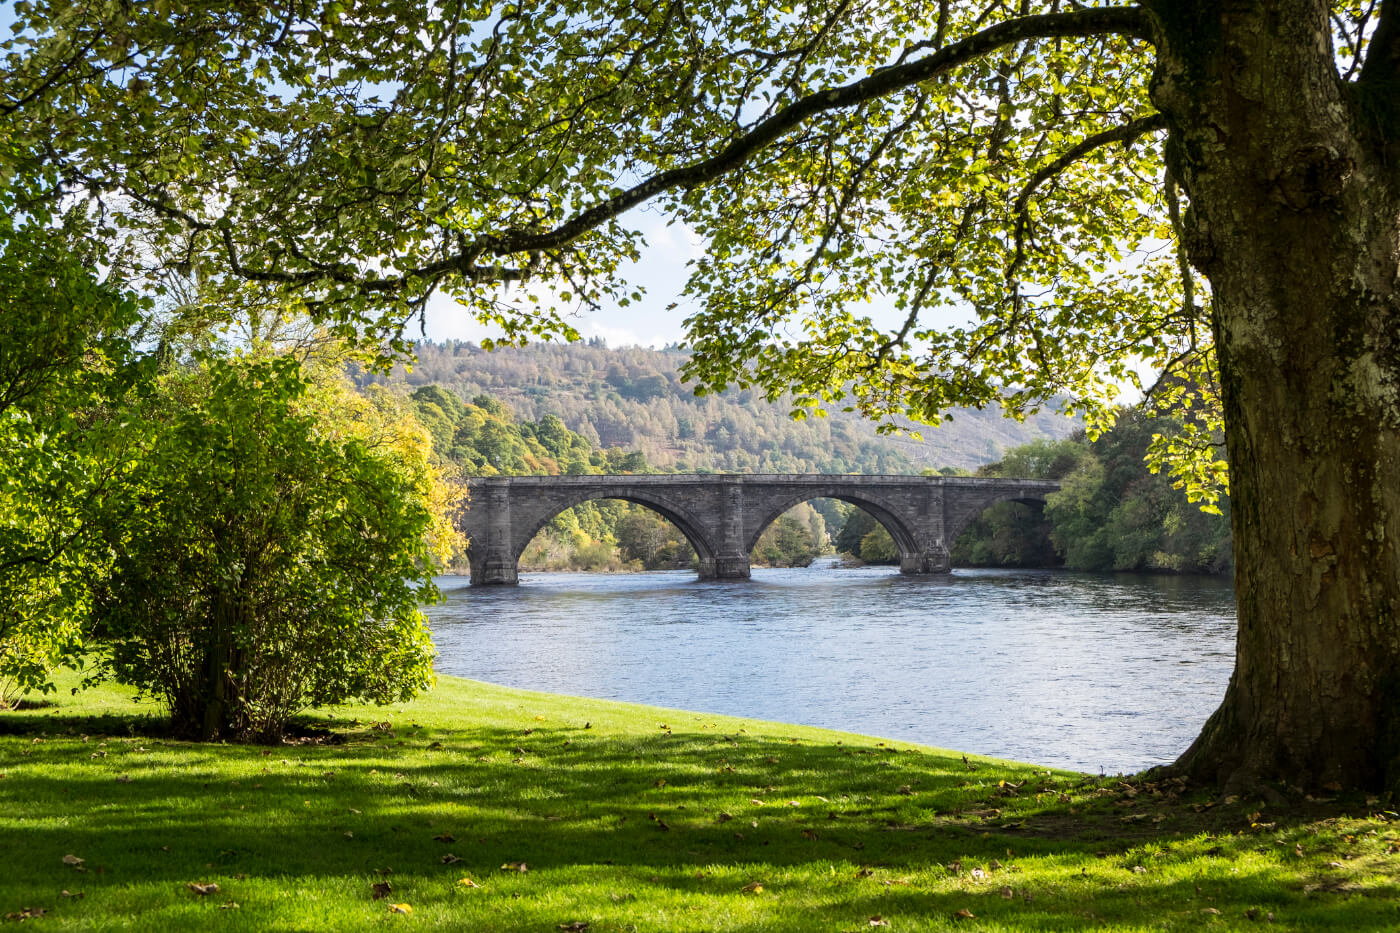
(1111, 514)
(633, 399)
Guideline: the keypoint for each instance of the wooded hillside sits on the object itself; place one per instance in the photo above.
(633, 398)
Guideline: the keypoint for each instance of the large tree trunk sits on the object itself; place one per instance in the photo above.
(1295, 221)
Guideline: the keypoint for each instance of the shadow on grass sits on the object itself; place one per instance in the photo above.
(864, 829)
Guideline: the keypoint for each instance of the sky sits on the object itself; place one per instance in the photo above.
(661, 271)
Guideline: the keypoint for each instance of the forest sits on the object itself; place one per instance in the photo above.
(635, 398)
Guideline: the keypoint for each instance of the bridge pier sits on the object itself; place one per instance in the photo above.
(493, 562)
(929, 560)
(494, 572)
(725, 568)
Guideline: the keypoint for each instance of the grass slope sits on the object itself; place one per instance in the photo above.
(628, 818)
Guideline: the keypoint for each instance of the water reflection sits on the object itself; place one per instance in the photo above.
(1083, 671)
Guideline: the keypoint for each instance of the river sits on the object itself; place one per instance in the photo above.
(1107, 673)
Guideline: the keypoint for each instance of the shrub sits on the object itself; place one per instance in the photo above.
(281, 536)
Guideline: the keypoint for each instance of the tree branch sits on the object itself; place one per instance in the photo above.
(1383, 52)
(1124, 21)
(1119, 134)
(1127, 21)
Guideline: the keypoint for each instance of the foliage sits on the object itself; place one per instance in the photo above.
(1111, 513)
(863, 537)
(505, 144)
(65, 362)
(793, 540)
(280, 535)
(651, 541)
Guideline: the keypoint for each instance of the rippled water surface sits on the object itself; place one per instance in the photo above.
(1081, 671)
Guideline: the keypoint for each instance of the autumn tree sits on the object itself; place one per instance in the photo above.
(280, 536)
(1050, 196)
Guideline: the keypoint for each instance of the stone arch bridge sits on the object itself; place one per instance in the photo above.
(722, 515)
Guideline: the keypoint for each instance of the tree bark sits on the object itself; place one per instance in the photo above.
(1294, 219)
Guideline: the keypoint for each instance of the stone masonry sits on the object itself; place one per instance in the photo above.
(723, 515)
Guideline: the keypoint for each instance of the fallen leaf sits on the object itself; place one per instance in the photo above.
(515, 866)
(752, 887)
(809, 834)
(467, 883)
(723, 818)
(578, 926)
(349, 835)
(72, 860)
(879, 921)
(231, 905)
(400, 909)
(380, 890)
(27, 913)
(794, 803)
(70, 894)
(450, 859)
(756, 802)
(445, 837)
(123, 779)
(203, 889)
(964, 914)
(1007, 893)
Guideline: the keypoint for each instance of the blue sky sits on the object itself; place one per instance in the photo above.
(661, 272)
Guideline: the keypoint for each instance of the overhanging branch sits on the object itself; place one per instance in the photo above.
(1125, 134)
(1123, 21)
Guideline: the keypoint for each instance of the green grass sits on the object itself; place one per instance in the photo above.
(633, 818)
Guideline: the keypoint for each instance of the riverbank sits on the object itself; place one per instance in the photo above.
(480, 807)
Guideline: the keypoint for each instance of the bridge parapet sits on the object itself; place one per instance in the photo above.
(722, 515)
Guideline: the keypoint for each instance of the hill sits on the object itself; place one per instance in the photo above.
(633, 398)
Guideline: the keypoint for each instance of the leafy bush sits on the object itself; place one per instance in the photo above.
(280, 537)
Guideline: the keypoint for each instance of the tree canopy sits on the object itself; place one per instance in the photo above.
(1182, 187)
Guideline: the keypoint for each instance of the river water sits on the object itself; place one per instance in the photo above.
(1092, 672)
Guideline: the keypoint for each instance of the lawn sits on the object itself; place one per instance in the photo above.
(483, 808)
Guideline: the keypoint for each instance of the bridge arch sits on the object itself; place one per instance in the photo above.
(973, 506)
(904, 537)
(688, 524)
